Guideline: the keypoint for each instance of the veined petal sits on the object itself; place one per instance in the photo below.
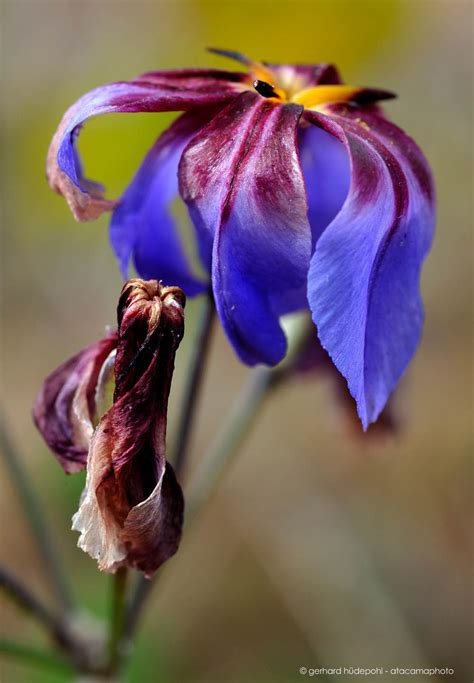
(327, 175)
(142, 225)
(363, 282)
(242, 181)
(151, 92)
(64, 409)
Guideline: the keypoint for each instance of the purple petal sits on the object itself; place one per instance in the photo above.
(242, 180)
(363, 283)
(64, 409)
(327, 175)
(151, 92)
(142, 225)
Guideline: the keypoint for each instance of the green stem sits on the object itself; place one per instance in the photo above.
(61, 631)
(116, 642)
(32, 508)
(229, 439)
(34, 656)
(197, 366)
(139, 594)
(24, 598)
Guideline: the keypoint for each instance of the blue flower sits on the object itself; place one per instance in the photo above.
(301, 193)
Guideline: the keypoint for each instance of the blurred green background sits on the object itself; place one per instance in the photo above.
(320, 549)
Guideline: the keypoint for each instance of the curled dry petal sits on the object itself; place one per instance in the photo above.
(132, 508)
(64, 410)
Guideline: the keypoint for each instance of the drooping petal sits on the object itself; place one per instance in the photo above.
(64, 409)
(243, 184)
(327, 174)
(143, 226)
(151, 92)
(363, 282)
(326, 170)
(131, 512)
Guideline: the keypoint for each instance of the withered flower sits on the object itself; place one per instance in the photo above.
(131, 511)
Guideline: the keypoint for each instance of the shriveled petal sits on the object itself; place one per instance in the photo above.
(151, 92)
(143, 226)
(242, 181)
(131, 512)
(152, 530)
(363, 282)
(64, 409)
(327, 175)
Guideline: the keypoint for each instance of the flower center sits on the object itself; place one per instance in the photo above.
(288, 84)
(314, 98)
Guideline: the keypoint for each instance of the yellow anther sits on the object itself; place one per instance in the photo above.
(325, 94)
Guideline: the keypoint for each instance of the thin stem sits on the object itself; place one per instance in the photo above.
(27, 600)
(197, 365)
(229, 439)
(34, 656)
(140, 593)
(32, 508)
(117, 613)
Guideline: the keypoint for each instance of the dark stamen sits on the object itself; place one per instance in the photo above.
(264, 89)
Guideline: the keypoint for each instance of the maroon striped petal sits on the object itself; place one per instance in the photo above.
(363, 284)
(152, 92)
(64, 410)
(242, 181)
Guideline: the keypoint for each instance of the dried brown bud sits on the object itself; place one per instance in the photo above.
(131, 511)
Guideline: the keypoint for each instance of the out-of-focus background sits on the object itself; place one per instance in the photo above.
(321, 548)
